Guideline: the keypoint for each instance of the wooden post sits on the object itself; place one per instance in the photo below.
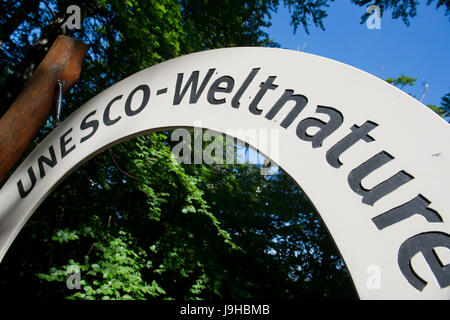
(28, 113)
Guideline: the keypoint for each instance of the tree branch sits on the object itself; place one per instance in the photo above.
(118, 167)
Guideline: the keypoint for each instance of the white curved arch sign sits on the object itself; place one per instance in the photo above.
(374, 161)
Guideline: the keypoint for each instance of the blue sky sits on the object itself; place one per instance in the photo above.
(421, 50)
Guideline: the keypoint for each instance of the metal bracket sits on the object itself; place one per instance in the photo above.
(60, 84)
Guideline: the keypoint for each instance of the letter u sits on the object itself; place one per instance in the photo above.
(32, 176)
(371, 196)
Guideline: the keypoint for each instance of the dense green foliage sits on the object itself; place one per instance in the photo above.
(443, 110)
(166, 231)
(138, 224)
(402, 81)
(404, 9)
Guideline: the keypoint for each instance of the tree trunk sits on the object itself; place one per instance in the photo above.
(26, 116)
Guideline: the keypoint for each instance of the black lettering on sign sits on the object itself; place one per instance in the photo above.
(106, 117)
(22, 192)
(418, 205)
(425, 244)
(89, 124)
(358, 133)
(64, 142)
(192, 82)
(215, 87)
(161, 91)
(235, 102)
(325, 128)
(50, 162)
(376, 193)
(146, 96)
(264, 86)
(288, 95)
